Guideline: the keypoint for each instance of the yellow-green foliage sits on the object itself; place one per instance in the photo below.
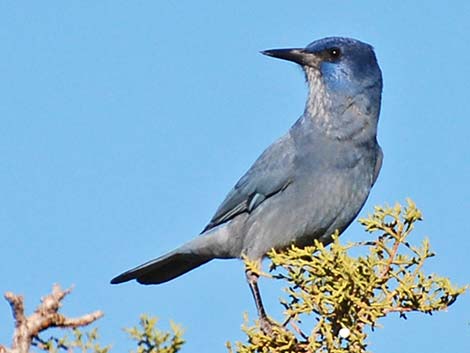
(149, 340)
(82, 342)
(350, 293)
(152, 340)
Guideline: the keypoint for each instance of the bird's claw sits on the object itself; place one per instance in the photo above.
(267, 326)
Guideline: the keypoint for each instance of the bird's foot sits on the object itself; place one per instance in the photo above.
(267, 326)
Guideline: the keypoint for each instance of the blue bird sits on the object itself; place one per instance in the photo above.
(309, 183)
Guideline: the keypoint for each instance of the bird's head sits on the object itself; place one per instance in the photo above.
(345, 65)
(342, 74)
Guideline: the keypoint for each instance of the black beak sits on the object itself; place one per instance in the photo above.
(298, 56)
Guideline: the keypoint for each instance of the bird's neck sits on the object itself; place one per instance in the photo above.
(318, 101)
(341, 117)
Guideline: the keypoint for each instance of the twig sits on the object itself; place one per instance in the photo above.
(400, 310)
(298, 330)
(391, 257)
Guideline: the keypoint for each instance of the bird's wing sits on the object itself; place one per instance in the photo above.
(271, 173)
(378, 164)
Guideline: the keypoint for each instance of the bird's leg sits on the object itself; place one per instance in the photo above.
(265, 324)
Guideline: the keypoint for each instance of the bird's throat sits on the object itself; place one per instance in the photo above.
(338, 117)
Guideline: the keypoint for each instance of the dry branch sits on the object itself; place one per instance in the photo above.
(44, 317)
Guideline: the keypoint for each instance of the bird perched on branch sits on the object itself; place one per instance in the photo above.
(309, 183)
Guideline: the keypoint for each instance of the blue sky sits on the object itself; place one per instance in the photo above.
(124, 124)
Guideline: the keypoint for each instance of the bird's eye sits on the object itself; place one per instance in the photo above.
(334, 53)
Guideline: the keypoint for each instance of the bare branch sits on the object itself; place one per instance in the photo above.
(45, 316)
(17, 306)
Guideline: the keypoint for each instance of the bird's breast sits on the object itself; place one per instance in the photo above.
(336, 195)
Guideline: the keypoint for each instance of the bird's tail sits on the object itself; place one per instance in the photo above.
(195, 253)
(163, 269)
